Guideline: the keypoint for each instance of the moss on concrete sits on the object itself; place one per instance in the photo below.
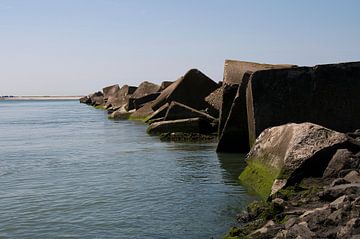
(259, 177)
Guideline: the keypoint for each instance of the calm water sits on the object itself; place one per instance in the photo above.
(66, 171)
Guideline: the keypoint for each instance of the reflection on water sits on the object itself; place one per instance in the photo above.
(68, 171)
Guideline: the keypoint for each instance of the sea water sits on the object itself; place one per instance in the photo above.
(67, 171)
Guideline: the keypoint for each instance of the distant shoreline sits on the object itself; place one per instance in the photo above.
(41, 98)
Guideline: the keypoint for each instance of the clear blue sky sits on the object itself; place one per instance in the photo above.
(72, 47)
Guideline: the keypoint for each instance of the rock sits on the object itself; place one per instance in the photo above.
(215, 98)
(97, 99)
(165, 84)
(190, 90)
(110, 90)
(177, 110)
(338, 181)
(339, 202)
(332, 193)
(300, 230)
(234, 136)
(340, 160)
(136, 103)
(289, 153)
(85, 100)
(235, 70)
(353, 177)
(120, 114)
(325, 94)
(234, 74)
(142, 113)
(267, 231)
(117, 98)
(187, 137)
(351, 228)
(193, 125)
(316, 217)
(144, 89)
(159, 113)
(229, 93)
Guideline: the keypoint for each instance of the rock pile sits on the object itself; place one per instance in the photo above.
(320, 194)
(173, 108)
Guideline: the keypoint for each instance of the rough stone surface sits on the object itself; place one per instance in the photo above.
(193, 125)
(142, 113)
(177, 110)
(234, 136)
(85, 100)
(110, 90)
(190, 90)
(327, 95)
(215, 98)
(343, 159)
(159, 113)
(136, 103)
(296, 150)
(120, 97)
(97, 99)
(165, 84)
(229, 93)
(144, 89)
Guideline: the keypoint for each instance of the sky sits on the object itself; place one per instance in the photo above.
(75, 47)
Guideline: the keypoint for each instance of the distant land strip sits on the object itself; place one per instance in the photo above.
(40, 97)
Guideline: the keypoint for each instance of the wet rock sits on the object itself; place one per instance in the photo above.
(177, 110)
(289, 153)
(193, 125)
(187, 137)
(120, 114)
(190, 90)
(340, 160)
(276, 97)
(142, 113)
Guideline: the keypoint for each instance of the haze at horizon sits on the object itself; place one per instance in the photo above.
(76, 47)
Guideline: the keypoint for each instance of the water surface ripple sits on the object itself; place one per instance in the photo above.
(66, 171)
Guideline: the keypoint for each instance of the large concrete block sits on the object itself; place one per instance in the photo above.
(190, 90)
(180, 111)
(145, 88)
(117, 97)
(328, 95)
(234, 72)
(235, 135)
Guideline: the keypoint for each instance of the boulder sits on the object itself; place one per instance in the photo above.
(180, 111)
(118, 97)
(110, 90)
(120, 114)
(341, 160)
(192, 125)
(234, 137)
(284, 155)
(165, 84)
(142, 113)
(325, 94)
(234, 74)
(97, 99)
(190, 90)
(85, 100)
(214, 99)
(159, 113)
(145, 88)
(136, 103)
